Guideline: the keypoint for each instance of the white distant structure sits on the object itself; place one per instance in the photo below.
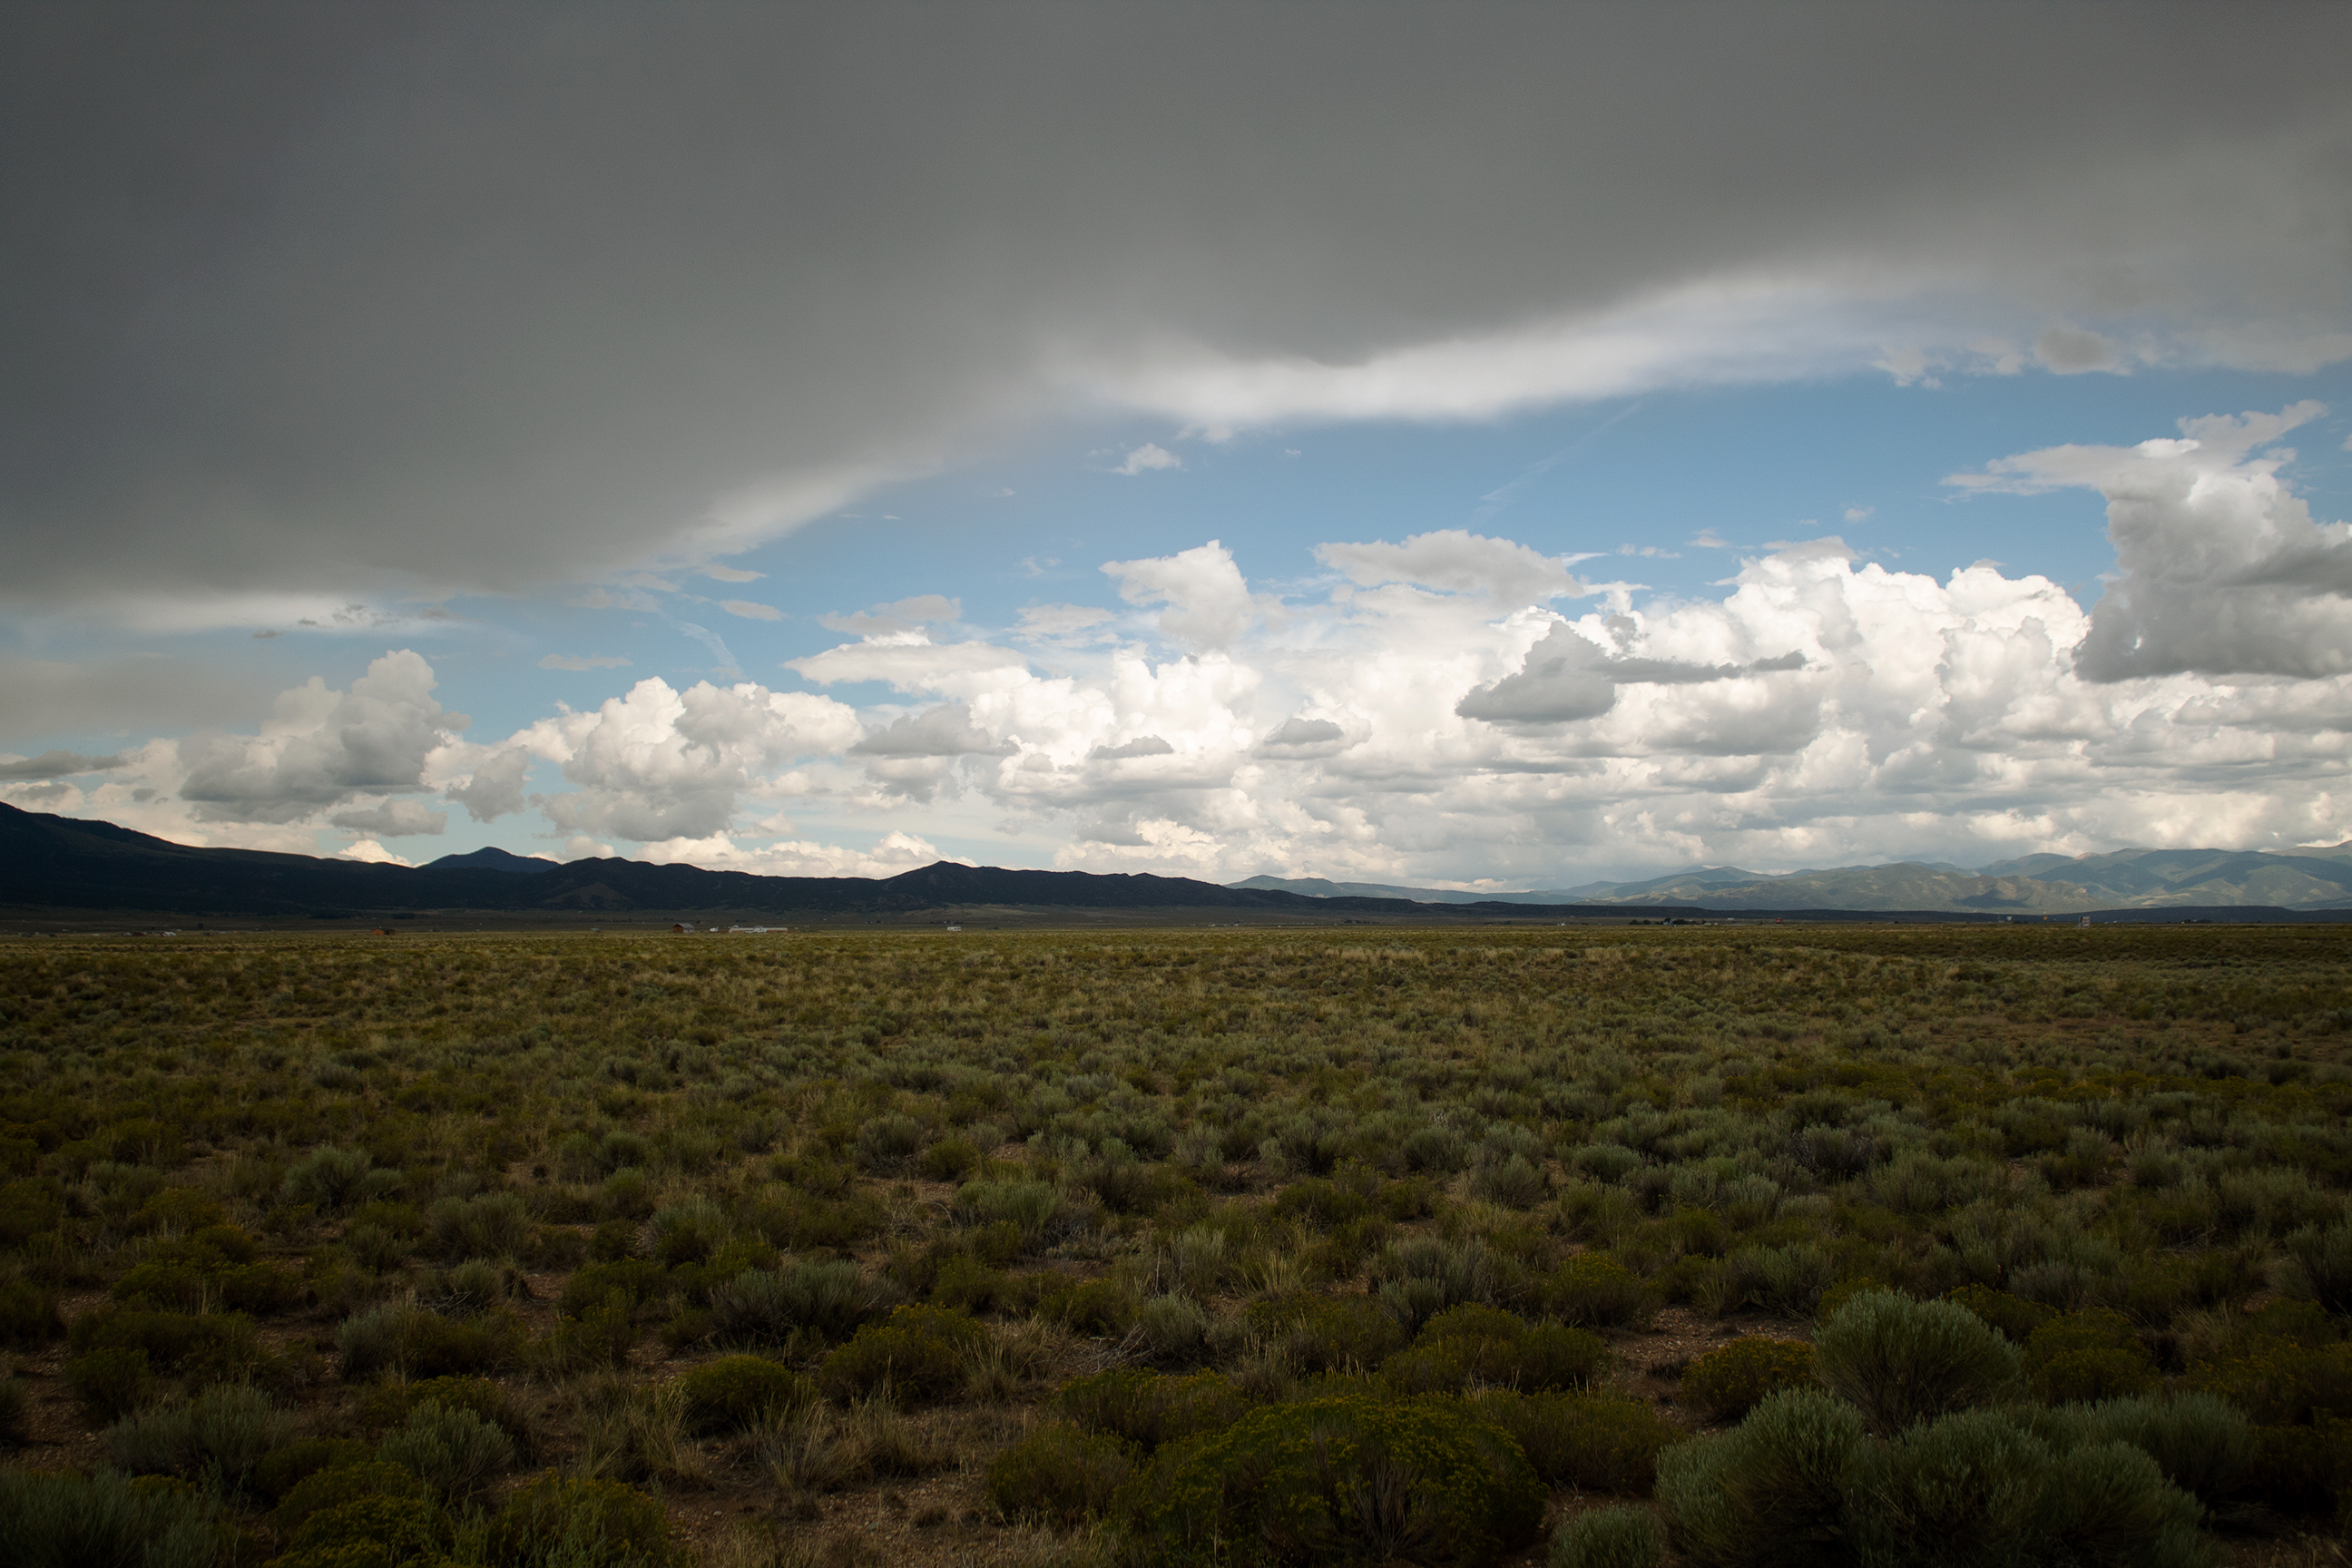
(754, 930)
(955, 928)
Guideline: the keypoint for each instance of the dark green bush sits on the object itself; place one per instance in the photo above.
(216, 1348)
(1620, 1537)
(1148, 1409)
(1800, 1483)
(1474, 1346)
(1341, 1479)
(110, 1382)
(1770, 1493)
(1059, 1475)
(1326, 1333)
(603, 1336)
(28, 1314)
(638, 1281)
(965, 1284)
(388, 1407)
(2012, 1315)
(1594, 1289)
(421, 1343)
(2083, 1357)
(557, 1521)
(2204, 1445)
(107, 1521)
(762, 1307)
(453, 1450)
(330, 1178)
(916, 1357)
(1104, 1308)
(1729, 1381)
(1582, 1440)
(2281, 1383)
(1968, 1488)
(2320, 1267)
(336, 1484)
(1901, 1362)
(378, 1532)
(490, 1225)
(219, 1436)
(732, 1392)
(283, 1469)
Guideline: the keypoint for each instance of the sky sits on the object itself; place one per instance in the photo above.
(1465, 446)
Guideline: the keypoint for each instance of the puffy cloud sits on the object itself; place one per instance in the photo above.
(1150, 457)
(1299, 736)
(1459, 561)
(1141, 746)
(55, 766)
(375, 854)
(904, 615)
(322, 747)
(1567, 677)
(943, 732)
(495, 788)
(392, 819)
(660, 765)
(2221, 569)
(1208, 602)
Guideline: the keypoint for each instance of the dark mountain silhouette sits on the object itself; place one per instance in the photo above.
(51, 863)
(491, 858)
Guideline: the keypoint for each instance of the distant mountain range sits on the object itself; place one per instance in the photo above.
(2311, 879)
(55, 864)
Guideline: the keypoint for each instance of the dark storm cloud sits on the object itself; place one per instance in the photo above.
(305, 298)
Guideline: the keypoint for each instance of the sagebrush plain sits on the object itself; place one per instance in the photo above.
(1098, 1247)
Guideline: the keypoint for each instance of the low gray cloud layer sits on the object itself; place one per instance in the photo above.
(312, 299)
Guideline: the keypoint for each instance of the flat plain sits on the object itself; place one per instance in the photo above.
(857, 1247)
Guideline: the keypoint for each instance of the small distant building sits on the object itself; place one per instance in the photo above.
(682, 928)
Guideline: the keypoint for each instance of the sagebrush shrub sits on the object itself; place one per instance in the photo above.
(916, 1357)
(1342, 1478)
(1901, 1362)
(1175, 1327)
(1150, 1409)
(110, 1382)
(1593, 1289)
(492, 1225)
(72, 1521)
(558, 1521)
(2014, 1316)
(367, 1530)
(2204, 1445)
(422, 1343)
(284, 1468)
(1966, 1490)
(1326, 1333)
(1058, 1474)
(1583, 1440)
(1729, 1381)
(769, 1306)
(220, 1435)
(452, 1449)
(732, 1392)
(28, 1314)
(1474, 1346)
(1770, 1493)
(2320, 1266)
(336, 1484)
(332, 1178)
(1619, 1537)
